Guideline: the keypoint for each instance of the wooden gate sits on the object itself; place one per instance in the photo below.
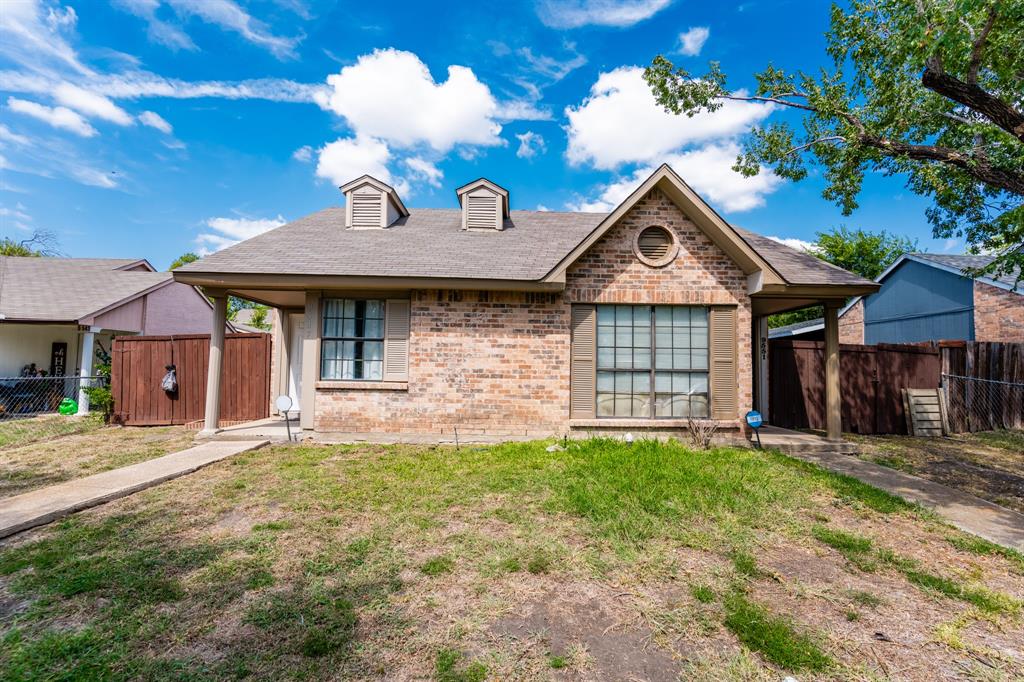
(870, 378)
(138, 364)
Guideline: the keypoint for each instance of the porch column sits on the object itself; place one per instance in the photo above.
(88, 352)
(220, 318)
(833, 403)
(310, 360)
(761, 365)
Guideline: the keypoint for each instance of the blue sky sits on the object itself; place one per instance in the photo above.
(147, 128)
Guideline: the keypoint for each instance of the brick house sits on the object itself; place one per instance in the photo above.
(929, 297)
(506, 323)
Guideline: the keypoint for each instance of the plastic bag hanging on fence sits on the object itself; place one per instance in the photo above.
(170, 380)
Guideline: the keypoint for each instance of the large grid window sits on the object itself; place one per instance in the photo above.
(652, 361)
(352, 345)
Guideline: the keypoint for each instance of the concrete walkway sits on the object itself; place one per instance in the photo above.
(37, 507)
(965, 511)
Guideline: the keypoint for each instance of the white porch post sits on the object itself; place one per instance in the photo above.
(833, 401)
(220, 316)
(88, 351)
(310, 360)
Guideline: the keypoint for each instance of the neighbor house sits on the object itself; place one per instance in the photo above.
(928, 297)
(508, 323)
(57, 314)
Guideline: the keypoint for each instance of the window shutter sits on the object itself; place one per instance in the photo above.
(396, 340)
(582, 362)
(722, 332)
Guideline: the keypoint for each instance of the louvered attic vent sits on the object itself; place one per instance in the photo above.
(371, 204)
(654, 243)
(366, 210)
(484, 205)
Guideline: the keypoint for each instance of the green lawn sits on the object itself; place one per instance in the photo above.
(605, 560)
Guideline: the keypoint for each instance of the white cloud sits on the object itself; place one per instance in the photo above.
(551, 69)
(391, 95)
(794, 243)
(620, 122)
(303, 154)
(229, 231)
(530, 144)
(32, 35)
(347, 159)
(17, 216)
(707, 169)
(542, 207)
(230, 17)
(155, 120)
(91, 104)
(58, 117)
(692, 41)
(141, 84)
(8, 135)
(424, 171)
(158, 30)
(225, 14)
(577, 13)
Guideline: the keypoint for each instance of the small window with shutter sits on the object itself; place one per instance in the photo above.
(365, 340)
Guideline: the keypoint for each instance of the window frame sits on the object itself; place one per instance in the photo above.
(382, 339)
(653, 370)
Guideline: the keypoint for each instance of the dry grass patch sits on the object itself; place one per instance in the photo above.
(86, 448)
(605, 561)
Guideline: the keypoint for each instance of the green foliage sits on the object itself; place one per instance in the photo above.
(774, 637)
(9, 247)
(101, 399)
(183, 259)
(702, 593)
(929, 91)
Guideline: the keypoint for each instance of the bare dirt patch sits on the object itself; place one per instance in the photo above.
(985, 465)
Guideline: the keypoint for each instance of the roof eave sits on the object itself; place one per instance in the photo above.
(297, 282)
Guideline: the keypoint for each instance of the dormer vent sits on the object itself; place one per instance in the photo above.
(484, 205)
(371, 204)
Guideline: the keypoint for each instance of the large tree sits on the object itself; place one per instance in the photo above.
(932, 90)
(41, 243)
(862, 251)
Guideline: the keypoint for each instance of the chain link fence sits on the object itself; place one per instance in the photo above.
(30, 408)
(975, 404)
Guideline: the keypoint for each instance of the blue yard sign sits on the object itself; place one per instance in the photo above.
(754, 421)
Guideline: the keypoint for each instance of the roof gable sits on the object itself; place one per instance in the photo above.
(696, 209)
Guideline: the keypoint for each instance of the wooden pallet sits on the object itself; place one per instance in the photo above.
(925, 409)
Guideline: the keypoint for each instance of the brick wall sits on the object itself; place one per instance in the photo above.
(497, 363)
(851, 324)
(998, 314)
(494, 363)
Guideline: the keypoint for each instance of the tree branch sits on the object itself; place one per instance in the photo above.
(978, 49)
(973, 97)
(978, 168)
(828, 138)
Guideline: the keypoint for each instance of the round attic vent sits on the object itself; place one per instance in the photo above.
(655, 246)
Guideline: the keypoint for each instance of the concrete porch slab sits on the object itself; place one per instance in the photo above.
(42, 506)
(795, 442)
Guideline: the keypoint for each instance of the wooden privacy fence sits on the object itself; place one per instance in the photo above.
(138, 366)
(984, 385)
(871, 378)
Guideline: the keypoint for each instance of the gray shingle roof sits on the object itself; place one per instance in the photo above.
(430, 242)
(797, 267)
(963, 262)
(67, 289)
(796, 327)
